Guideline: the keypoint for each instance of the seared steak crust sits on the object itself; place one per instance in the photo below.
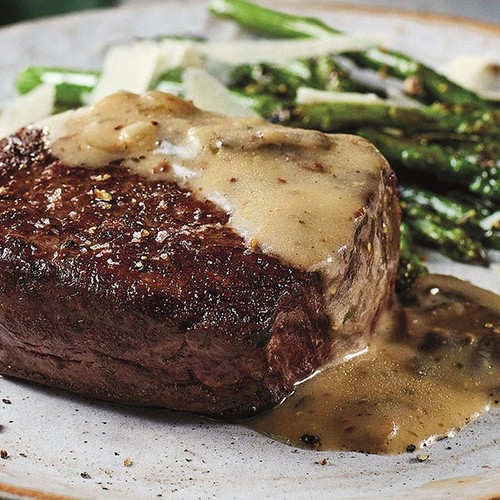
(124, 289)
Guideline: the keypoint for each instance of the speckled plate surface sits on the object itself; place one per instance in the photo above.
(62, 446)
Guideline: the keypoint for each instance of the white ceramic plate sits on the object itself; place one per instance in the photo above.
(53, 437)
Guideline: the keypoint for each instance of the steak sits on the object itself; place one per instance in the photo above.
(131, 289)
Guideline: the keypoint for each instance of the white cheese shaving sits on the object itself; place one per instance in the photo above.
(306, 95)
(209, 94)
(491, 221)
(133, 67)
(478, 73)
(37, 104)
(275, 51)
(128, 67)
(398, 98)
(179, 54)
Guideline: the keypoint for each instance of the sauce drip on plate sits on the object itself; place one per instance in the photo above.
(433, 367)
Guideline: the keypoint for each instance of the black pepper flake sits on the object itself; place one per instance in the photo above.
(4, 454)
(411, 448)
(7, 401)
(311, 440)
(85, 475)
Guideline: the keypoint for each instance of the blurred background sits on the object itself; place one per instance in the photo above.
(481, 10)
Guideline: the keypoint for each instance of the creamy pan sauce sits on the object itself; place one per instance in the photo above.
(282, 187)
(433, 367)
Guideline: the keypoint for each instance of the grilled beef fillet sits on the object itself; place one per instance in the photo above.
(152, 298)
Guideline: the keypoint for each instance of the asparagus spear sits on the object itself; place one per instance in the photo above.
(341, 116)
(488, 216)
(264, 78)
(470, 212)
(323, 73)
(329, 74)
(446, 207)
(270, 22)
(431, 230)
(410, 263)
(466, 164)
(71, 84)
(422, 81)
(487, 183)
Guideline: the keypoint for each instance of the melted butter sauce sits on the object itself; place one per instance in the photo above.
(433, 367)
(282, 187)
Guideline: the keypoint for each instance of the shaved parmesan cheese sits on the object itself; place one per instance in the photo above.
(133, 67)
(37, 104)
(493, 95)
(208, 94)
(179, 54)
(254, 51)
(128, 67)
(400, 99)
(491, 221)
(306, 95)
(477, 73)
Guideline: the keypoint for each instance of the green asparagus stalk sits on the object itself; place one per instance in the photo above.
(487, 183)
(270, 22)
(410, 262)
(429, 229)
(263, 78)
(342, 116)
(468, 212)
(329, 74)
(324, 73)
(466, 164)
(446, 207)
(488, 215)
(71, 85)
(422, 82)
